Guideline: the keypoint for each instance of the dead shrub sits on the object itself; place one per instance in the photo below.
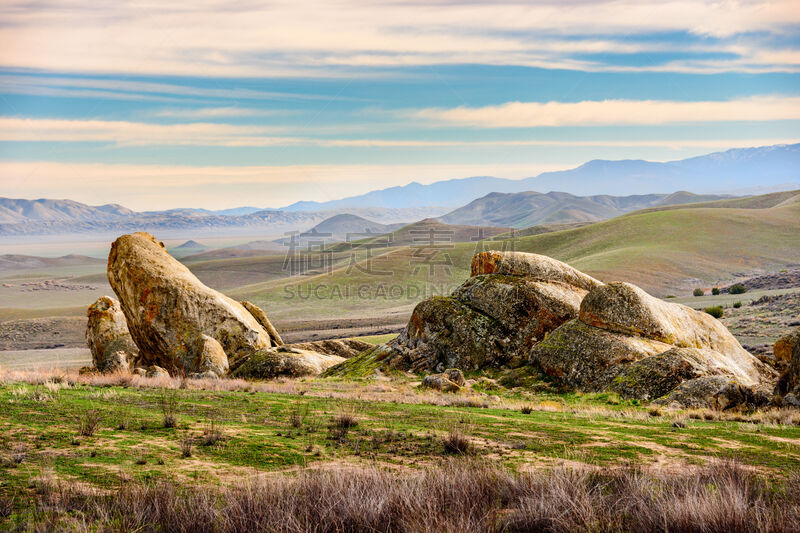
(465, 495)
(187, 443)
(212, 434)
(168, 401)
(457, 442)
(89, 422)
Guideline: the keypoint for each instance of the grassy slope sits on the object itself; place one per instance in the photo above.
(661, 250)
(393, 429)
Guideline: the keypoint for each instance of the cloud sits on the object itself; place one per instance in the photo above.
(150, 187)
(614, 112)
(123, 133)
(215, 112)
(316, 37)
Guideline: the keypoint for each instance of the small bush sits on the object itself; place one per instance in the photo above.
(187, 443)
(298, 416)
(737, 288)
(737, 305)
(699, 292)
(457, 442)
(715, 291)
(89, 422)
(169, 408)
(212, 434)
(715, 311)
(342, 423)
(526, 410)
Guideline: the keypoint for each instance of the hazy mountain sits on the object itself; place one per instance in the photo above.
(40, 217)
(524, 209)
(737, 171)
(17, 210)
(25, 262)
(191, 245)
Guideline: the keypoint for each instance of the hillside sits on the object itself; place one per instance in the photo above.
(432, 231)
(26, 262)
(665, 251)
(525, 209)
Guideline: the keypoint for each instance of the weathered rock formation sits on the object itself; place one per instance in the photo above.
(176, 321)
(633, 343)
(182, 326)
(789, 383)
(262, 319)
(108, 337)
(451, 380)
(526, 309)
(511, 301)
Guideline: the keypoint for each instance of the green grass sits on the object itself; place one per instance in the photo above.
(261, 432)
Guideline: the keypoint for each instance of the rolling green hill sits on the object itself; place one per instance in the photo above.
(664, 251)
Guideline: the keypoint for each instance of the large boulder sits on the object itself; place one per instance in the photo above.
(789, 382)
(511, 302)
(176, 321)
(642, 347)
(283, 361)
(108, 337)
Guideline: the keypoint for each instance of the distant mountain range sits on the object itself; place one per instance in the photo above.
(44, 216)
(585, 194)
(737, 171)
(524, 209)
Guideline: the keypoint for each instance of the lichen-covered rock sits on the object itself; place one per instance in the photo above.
(283, 361)
(625, 308)
(456, 376)
(532, 266)
(108, 337)
(262, 319)
(440, 382)
(789, 382)
(695, 393)
(209, 355)
(156, 371)
(342, 347)
(783, 347)
(494, 318)
(642, 347)
(168, 310)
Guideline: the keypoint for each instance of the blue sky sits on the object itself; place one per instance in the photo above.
(217, 104)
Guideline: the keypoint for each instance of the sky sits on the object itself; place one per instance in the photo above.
(216, 103)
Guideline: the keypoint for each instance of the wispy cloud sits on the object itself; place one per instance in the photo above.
(123, 133)
(312, 37)
(149, 187)
(614, 112)
(215, 112)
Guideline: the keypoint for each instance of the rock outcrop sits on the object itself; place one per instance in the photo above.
(642, 347)
(177, 322)
(511, 301)
(344, 348)
(283, 360)
(108, 337)
(262, 319)
(789, 382)
(525, 309)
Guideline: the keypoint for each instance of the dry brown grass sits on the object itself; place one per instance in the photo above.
(456, 495)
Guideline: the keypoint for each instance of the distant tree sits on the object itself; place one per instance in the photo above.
(737, 305)
(737, 288)
(699, 292)
(715, 311)
(715, 291)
